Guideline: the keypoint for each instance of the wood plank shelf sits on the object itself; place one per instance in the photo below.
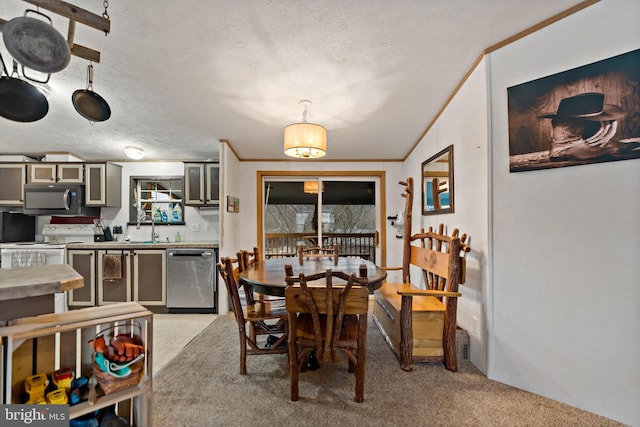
(44, 343)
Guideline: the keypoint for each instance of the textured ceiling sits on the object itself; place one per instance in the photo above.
(180, 75)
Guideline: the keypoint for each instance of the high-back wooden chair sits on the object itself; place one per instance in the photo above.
(325, 319)
(420, 324)
(253, 318)
(318, 252)
(246, 259)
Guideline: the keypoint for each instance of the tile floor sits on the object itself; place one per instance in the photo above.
(172, 332)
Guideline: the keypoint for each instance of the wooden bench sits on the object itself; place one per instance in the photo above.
(420, 324)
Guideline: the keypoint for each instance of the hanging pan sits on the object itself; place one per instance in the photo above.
(19, 100)
(89, 104)
(36, 44)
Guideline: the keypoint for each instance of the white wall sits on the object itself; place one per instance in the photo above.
(463, 124)
(566, 241)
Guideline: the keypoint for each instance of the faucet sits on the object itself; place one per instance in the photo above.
(154, 235)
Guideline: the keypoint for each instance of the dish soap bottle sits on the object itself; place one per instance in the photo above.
(178, 238)
(176, 213)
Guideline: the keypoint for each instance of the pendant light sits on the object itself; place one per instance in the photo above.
(305, 140)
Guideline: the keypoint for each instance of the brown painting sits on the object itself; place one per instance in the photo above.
(589, 114)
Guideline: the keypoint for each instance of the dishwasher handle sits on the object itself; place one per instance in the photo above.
(192, 254)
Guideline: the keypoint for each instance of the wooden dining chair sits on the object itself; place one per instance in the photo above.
(246, 259)
(324, 318)
(253, 318)
(318, 252)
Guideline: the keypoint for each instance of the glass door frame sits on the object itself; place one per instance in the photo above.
(379, 177)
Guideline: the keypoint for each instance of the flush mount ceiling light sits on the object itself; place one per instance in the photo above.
(134, 153)
(305, 140)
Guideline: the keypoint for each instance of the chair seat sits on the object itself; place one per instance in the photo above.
(419, 303)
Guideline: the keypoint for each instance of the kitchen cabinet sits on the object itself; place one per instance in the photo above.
(150, 276)
(111, 289)
(202, 184)
(46, 173)
(103, 183)
(43, 343)
(83, 261)
(12, 177)
(143, 279)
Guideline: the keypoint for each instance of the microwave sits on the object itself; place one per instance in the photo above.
(56, 199)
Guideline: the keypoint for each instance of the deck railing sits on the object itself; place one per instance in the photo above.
(280, 245)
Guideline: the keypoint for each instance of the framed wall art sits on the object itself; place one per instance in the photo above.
(233, 204)
(588, 114)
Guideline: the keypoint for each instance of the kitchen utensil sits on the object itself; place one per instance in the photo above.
(89, 104)
(36, 44)
(108, 237)
(20, 101)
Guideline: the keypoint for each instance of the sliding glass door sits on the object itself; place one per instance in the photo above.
(321, 211)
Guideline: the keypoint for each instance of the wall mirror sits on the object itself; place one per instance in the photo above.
(437, 183)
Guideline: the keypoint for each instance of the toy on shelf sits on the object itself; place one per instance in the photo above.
(62, 379)
(118, 357)
(35, 386)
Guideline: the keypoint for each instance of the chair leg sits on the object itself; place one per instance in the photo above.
(243, 353)
(352, 367)
(361, 355)
(293, 362)
(406, 334)
(449, 341)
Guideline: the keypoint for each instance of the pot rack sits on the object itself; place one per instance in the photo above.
(76, 15)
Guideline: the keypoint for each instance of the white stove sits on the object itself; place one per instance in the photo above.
(68, 233)
(51, 251)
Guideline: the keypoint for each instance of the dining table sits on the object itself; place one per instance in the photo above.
(268, 276)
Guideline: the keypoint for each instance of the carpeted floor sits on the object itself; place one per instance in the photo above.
(202, 387)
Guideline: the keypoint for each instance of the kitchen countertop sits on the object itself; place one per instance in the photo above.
(143, 245)
(26, 282)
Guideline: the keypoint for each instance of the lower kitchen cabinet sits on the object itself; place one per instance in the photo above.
(84, 262)
(116, 275)
(150, 276)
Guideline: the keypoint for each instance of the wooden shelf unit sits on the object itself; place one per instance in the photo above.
(48, 342)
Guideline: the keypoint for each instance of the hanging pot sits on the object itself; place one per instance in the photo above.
(19, 100)
(35, 44)
(89, 104)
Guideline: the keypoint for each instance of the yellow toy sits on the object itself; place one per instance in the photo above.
(62, 379)
(35, 387)
(57, 397)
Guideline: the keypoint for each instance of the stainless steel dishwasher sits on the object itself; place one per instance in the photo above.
(192, 280)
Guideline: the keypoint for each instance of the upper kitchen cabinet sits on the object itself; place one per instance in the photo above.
(46, 173)
(12, 178)
(103, 183)
(202, 184)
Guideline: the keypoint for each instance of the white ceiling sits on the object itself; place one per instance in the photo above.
(180, 75)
